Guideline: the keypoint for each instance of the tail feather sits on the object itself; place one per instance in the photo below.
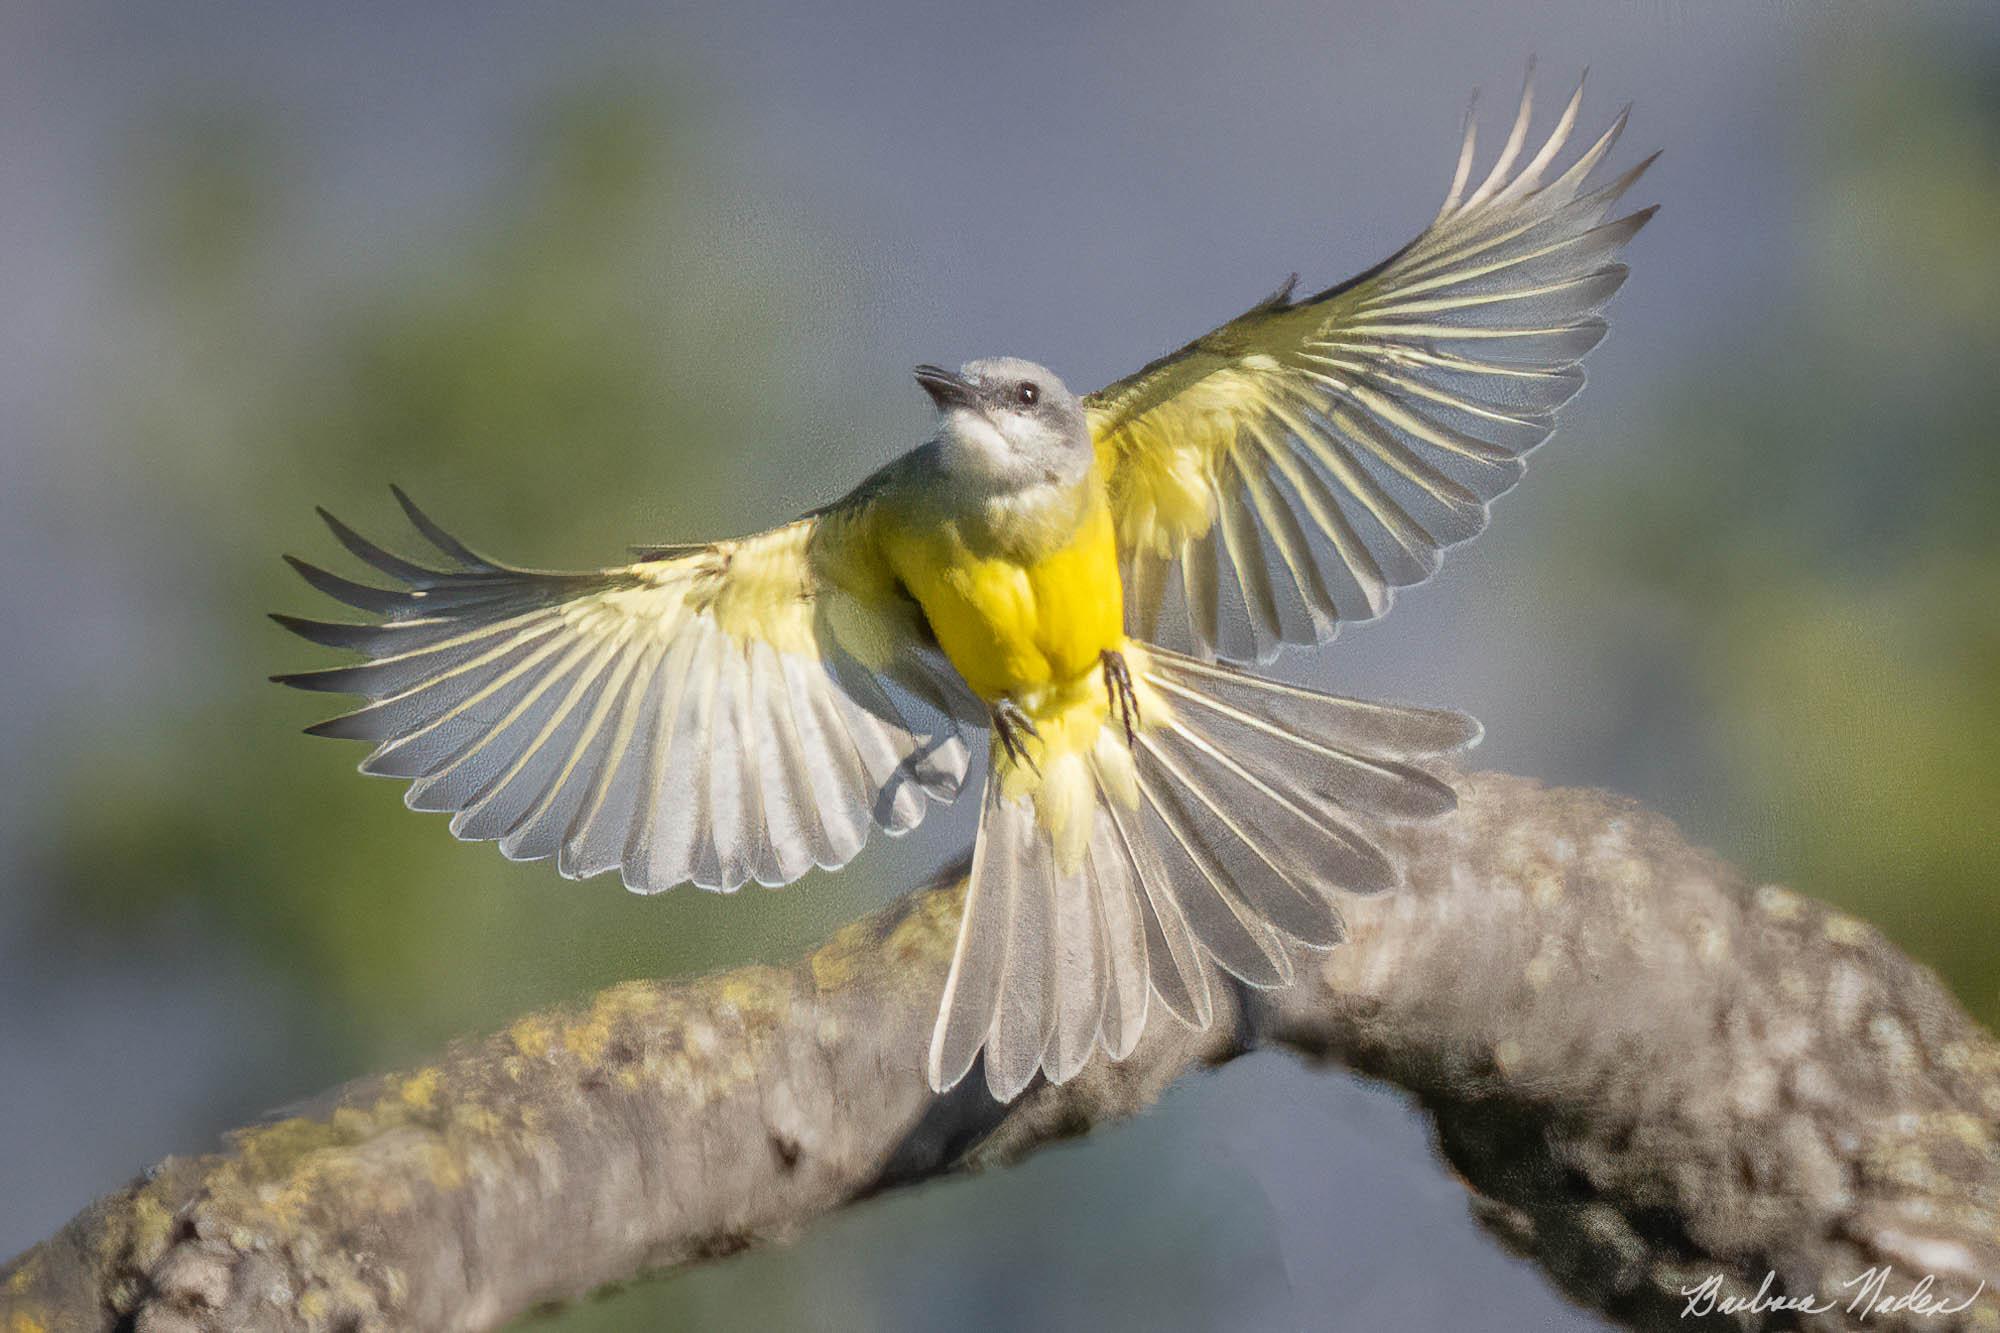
(971, 1001)
(1264, 845)
(1079, 975)
(1228, 930)
(1222, 835)
(1284, 812)
(1024, 1017)
(1052, 964)
(1343, 778)
(1356, 726)
(1173, 960)
(1121, 939)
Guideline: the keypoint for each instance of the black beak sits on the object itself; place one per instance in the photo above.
(946, 389)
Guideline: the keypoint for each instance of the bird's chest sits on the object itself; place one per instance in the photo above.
(1017, 622)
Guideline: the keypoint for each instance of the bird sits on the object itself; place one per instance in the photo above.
(1092, 581)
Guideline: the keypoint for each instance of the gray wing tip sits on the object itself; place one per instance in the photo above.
(375, 556)
(434, 533)
(344, 636)
(360, 596)
(308, 680)
(336, 728)
(1528, 78)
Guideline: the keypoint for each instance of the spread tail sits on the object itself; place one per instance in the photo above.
(1223, 832)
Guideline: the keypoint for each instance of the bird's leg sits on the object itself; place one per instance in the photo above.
(1011, 723)
(1118, 689)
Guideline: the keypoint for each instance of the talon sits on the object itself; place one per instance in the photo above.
(1118, 690)
(1010, 722)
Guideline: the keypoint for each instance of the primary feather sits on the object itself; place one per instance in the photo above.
(720, 715)
(1290, 470)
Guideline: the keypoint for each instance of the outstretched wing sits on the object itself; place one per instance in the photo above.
(737, 711)
(1291, 469)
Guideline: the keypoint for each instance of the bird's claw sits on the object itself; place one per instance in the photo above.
(1011, 724)
(1118, 689)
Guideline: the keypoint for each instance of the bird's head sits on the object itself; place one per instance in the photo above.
(1008, 421)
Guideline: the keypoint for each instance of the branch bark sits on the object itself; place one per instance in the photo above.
(1647, 1071)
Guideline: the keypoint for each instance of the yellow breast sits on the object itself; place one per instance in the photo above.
(1023, 622)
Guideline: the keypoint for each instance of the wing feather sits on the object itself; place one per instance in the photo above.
(720, 714)
(1290, 470)
(601, 834)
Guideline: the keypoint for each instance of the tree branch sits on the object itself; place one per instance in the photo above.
(1646, 1070)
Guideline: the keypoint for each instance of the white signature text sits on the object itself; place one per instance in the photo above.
(1867, 1293)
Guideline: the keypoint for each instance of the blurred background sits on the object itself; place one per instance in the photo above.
(579, 276)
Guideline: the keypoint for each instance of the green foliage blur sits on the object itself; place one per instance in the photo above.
(579, 365)
(1807, 523)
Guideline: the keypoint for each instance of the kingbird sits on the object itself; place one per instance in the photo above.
(745, 709)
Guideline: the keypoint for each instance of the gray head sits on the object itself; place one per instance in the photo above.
(1009, 422)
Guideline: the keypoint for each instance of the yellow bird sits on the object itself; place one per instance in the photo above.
(745, 709)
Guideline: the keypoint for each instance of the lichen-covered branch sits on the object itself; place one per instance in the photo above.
(1649, 1073)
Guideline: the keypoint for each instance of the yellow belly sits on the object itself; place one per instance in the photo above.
(1031, 628)
(1032, 625)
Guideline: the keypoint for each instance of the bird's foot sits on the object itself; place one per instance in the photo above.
(1012, 725)
(1118, 689)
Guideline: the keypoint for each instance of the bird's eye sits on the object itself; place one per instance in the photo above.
(1027, 395)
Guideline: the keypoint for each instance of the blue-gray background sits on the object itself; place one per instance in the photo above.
(588, 274)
